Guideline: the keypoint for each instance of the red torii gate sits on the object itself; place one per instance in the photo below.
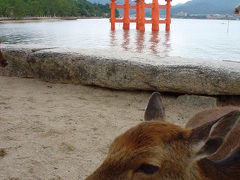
(140, 14)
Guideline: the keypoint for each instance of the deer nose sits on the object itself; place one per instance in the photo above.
(4, 63)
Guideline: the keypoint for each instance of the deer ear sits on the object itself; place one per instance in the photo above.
(207, 138)
(155, 110)
(227, 168)
(231, 164)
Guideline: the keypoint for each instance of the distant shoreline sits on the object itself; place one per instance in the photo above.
(38, 19)
(232, 19)
(54, 19)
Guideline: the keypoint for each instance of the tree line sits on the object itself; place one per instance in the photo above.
(50, 8)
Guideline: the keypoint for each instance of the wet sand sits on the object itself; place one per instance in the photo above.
(63, 131)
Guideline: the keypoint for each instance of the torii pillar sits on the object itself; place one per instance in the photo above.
(137, 14)
(142, 16)
(168, 15)
(126, 19)
(113, 16)
(155, 15)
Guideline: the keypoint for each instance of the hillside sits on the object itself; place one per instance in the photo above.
(108, 1)
(100, 1)
(60, 8)
(196, 6)
(206, 7)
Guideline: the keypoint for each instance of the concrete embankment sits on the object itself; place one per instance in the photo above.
(124, 71)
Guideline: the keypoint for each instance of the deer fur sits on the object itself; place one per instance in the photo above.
(227, 168)
(156, 149)
(237, 9)
(3, 62)
(211, 115)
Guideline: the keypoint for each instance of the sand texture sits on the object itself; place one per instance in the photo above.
(63, 131)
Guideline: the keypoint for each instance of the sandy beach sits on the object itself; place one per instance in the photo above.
(63, 131)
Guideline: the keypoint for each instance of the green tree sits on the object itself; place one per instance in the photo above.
(18, 9)
(33, 8)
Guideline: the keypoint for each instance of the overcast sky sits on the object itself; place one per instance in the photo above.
(174, 2)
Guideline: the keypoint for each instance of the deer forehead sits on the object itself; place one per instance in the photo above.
(147, 142)
(148, 134)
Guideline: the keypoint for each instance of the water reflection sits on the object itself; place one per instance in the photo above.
(154, 41)
(160, 43)
(167, 44)
(126, 40)
(213, 43)
(140, 41)
(113, 38)
(157, 43)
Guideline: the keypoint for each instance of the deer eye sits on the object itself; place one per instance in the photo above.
(147, 169)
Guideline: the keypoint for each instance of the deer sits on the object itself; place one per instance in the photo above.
(237, 9)
(159, 150)
(209, 115)
(3, 62)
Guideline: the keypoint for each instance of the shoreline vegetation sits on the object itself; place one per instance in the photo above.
(30, 9)
(45, 19)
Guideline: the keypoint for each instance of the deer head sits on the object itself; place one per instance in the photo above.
(156, 149)
(237, 9)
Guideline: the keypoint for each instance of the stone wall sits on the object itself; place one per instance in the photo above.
(131, 72)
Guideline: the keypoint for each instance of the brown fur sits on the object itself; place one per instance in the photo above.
(231, 164)
(237, 9)
(227, 168)
(169, 150)
(161, 140)
(211, 115)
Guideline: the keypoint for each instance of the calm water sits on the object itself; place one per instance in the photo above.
(188, 38)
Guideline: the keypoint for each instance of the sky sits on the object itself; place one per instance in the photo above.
(174, 2)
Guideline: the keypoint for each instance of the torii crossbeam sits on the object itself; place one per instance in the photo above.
(140, 20)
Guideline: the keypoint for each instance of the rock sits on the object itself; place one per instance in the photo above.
(124, 71)
(18, 65)
(197, 101)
